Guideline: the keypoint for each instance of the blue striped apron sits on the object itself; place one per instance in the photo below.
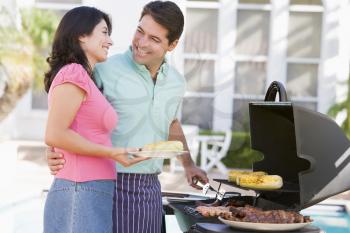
(138, 204)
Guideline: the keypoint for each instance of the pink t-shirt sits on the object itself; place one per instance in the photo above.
(94, 121)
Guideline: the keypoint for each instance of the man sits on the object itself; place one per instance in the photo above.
(146, 93)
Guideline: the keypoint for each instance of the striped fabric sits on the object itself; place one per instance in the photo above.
(138, 204)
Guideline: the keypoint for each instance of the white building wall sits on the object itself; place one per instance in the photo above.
(278, 43)
(25, 123)
(334, 68)
(225, 67)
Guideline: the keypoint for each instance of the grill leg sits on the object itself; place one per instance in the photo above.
(163, 223)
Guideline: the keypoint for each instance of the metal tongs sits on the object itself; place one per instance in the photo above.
(206, 187)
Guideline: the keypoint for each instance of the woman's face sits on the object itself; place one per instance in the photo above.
(96, 44)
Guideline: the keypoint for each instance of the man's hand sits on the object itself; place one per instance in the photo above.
(192, 171)
(55, 160)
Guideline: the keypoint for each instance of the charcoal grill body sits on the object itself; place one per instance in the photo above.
(306, 148)
(187, 216)
(192, 222)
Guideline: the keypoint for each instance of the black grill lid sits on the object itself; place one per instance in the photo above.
(305, 147)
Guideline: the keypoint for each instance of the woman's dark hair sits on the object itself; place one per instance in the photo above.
(167, 14)
(66, 48)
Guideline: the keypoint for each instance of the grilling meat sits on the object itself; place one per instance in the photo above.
(234, 203)
(213, 211)
(252, 214)
(236, 211)
(217, 202)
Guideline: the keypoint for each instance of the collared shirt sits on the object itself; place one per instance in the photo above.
(145, 109)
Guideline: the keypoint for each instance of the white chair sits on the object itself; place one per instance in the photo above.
(213, 149)
(191, 133)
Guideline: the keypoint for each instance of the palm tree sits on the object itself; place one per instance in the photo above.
(341, 107)
(15, 66)
(22, 55)
(40, 26)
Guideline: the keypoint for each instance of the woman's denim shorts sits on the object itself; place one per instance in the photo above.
(79, 207)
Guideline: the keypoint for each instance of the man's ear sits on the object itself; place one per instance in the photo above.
(173, 45)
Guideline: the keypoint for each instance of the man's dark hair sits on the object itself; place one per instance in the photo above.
(167, 14)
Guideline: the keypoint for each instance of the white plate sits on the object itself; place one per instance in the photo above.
(158, 154)
(265, 226)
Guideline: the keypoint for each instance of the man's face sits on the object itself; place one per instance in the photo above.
(150, 43)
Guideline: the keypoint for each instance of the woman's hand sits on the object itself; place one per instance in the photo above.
(121, 156)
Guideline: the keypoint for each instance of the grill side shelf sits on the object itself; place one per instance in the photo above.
(286, 188)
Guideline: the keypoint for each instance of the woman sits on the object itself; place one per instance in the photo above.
(80, 122)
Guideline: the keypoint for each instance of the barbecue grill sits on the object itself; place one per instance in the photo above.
(306, 148)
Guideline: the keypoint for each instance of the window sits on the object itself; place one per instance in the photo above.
(198, 111)
(305, 2)
(201, 31)
(303, 58)
(241, 114)
(199, 75)
(252, 32)
(200, 53)
(304, 27)
(250, 54)
(250, 78)
(302, 80)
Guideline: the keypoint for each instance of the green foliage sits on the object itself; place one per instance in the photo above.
(240, 154)
(15, 54)
(343, 106)
(40, 26)
(23, 51)
(27, 48)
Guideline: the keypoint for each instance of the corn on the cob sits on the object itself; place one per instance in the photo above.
(164, 146)
(265, 182)
(232, 175)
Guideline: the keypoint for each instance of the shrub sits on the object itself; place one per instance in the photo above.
(240, 154)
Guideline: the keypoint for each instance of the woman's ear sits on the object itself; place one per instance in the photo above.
(82, 39)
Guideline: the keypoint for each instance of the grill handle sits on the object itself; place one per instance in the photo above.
(275, 87)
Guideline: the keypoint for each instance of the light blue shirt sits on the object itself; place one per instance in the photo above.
(145, 109)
